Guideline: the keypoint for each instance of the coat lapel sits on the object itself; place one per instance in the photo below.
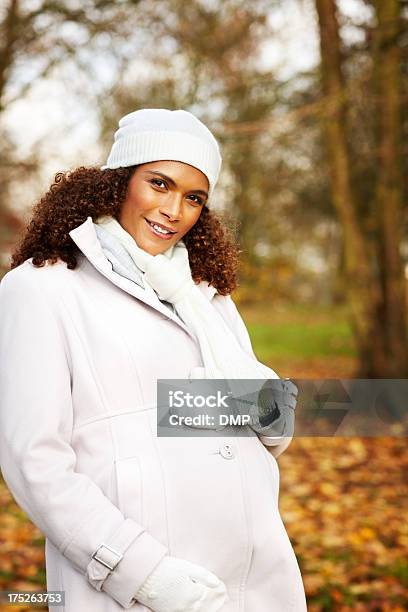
(87, 241)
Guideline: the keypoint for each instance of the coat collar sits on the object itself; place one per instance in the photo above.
(86, 239)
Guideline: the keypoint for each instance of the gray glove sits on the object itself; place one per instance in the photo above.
(272, 408)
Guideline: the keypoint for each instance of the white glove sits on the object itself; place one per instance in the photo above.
(180, 586)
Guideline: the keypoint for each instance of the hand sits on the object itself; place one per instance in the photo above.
(272, 415)
(177, 585)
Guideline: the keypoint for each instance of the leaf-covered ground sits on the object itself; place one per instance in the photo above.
(344, 501)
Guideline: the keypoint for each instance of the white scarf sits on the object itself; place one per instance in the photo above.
(169, 275)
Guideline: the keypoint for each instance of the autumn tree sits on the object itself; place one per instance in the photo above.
(374, 280)
(37, 41)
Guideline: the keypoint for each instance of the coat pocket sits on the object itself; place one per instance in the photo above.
(140, 493)
(129, 488)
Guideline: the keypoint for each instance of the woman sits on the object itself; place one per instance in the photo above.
(124, 277)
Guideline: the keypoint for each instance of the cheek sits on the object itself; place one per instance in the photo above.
(192, 217)
(140, 202)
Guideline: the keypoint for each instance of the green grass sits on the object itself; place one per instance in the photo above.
(299, 332)
(296, 340)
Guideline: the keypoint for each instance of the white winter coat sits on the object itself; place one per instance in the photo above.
(81, 351)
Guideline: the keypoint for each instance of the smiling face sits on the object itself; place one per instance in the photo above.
(163, 195)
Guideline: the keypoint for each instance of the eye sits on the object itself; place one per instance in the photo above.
(158, 183)
(197, 200)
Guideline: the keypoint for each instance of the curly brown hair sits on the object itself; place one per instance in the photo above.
(90, 192)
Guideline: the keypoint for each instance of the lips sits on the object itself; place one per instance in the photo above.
(153, 229)
(169, 229)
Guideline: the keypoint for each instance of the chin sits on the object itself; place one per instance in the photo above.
(155, 249)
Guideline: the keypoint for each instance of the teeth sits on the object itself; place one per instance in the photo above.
(159, 229)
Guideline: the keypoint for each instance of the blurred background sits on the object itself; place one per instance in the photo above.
(308, 99)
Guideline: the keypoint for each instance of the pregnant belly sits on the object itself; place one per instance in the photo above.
(274, 582)
(214, 502)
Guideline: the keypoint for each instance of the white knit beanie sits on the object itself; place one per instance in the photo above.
(155, 134)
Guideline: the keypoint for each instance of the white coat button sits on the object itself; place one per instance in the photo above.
(226, 451)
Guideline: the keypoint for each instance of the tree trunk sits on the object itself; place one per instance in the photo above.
(10, 34)
(362, 285)
(389, 190)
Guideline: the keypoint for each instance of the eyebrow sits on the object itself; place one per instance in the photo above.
(173, 183)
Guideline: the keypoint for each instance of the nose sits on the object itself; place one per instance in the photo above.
(172, 207)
